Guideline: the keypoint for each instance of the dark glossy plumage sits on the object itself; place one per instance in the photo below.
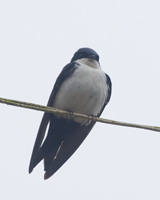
(64, 136)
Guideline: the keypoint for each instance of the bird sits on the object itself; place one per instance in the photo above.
(81, 87)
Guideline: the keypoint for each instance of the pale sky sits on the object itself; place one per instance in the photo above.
(37, 39)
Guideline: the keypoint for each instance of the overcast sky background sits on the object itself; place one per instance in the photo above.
(37, 39)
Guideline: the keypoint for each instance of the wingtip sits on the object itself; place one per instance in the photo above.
(30, 170)
(31, 167)
(46, 176)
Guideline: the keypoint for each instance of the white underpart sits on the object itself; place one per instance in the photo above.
(84, 91)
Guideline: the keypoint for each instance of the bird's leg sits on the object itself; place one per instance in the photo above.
(89, 118)
(70, 115)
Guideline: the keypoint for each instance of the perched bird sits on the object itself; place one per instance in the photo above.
(81, 87)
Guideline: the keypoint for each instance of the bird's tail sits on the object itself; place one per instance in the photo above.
(45, 154)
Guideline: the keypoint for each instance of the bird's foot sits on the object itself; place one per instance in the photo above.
(70, 115)
(91, 117)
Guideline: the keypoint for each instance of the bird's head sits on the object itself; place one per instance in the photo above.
(85, 53)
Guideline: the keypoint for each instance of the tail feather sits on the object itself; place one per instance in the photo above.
(61, 142)
(45, 153)
(48, 160)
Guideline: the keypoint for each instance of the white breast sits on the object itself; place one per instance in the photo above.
(84, 92)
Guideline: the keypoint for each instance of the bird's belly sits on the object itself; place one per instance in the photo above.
(84, 92)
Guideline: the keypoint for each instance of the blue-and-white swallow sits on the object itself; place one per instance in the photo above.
(81, 87)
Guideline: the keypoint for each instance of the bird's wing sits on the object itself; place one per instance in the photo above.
(109, 83)
(65, 73)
